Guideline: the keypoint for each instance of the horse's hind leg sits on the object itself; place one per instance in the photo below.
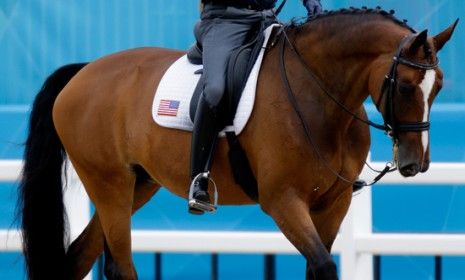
(291, 213)
(84, 251)
(143, 193)
(112, 193)
(115, 211)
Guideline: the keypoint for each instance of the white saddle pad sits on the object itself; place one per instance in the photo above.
(172, 98)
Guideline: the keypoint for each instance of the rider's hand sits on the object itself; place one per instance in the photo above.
(313, 7)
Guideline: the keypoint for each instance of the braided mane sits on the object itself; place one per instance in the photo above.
(354, 11)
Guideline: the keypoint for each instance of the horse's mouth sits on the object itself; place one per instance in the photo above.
(409, 170)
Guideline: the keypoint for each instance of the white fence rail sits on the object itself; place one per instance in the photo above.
(356, 243)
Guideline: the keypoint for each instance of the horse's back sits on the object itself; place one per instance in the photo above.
(106, 98)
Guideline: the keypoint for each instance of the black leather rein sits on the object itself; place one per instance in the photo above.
(390, 126)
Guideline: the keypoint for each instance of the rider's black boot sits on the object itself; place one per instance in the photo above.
(204, 138)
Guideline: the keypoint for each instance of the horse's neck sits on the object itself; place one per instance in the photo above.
(343, 62)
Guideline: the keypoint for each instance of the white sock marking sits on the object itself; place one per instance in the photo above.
(426, 87)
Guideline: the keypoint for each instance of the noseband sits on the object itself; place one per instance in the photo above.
(392, 126)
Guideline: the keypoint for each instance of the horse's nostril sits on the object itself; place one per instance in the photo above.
(410, 169)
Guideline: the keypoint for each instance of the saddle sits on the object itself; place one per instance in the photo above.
(240, 64)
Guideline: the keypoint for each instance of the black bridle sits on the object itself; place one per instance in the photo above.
(390, 126)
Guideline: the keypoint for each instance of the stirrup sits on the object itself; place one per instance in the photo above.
(202, 205)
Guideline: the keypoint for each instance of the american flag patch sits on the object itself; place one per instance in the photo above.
(168, 108)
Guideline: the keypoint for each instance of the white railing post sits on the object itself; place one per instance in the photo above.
(10, 170)
(358, 222)
(77, 205)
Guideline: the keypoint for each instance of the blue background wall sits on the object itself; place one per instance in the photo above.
(37, 36)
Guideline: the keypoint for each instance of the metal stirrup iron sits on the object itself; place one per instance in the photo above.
(202, 205)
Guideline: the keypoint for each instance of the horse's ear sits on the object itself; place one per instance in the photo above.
(441, 39)
(420, 40)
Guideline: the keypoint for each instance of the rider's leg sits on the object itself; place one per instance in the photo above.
(220, 32)
(204, 138)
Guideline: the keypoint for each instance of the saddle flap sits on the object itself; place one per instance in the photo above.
(240, 65)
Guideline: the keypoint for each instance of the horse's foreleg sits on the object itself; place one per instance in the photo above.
(328, 220)
(291, 213)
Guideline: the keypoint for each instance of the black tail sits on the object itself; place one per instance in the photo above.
(43, 217)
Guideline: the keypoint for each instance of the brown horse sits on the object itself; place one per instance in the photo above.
(305, 140)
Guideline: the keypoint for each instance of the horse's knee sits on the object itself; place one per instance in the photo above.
(324, 271)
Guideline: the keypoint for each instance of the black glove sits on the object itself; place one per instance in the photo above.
(313, 7)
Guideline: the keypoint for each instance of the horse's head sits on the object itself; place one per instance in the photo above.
(407, 93)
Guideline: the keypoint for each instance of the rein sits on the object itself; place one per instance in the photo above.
(295, 105)
(390, 126)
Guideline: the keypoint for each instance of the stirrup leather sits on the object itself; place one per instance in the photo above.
(202, 205)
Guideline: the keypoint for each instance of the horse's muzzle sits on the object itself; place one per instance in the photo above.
(409, 170)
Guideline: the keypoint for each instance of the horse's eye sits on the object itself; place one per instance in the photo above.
(405, 88)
